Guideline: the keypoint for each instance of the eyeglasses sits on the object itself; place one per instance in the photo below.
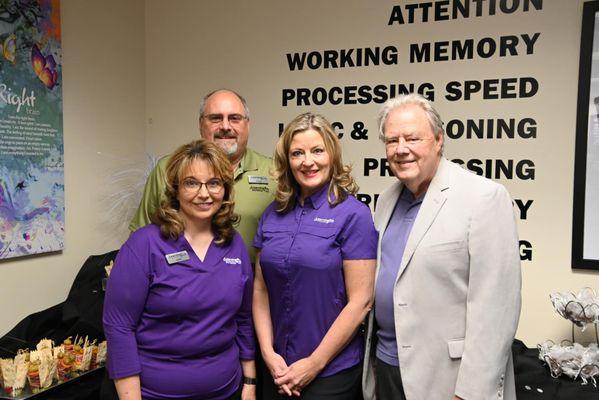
(411, 142)
(233, 119)
(213, 186)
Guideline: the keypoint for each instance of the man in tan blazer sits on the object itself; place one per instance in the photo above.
(447, 297)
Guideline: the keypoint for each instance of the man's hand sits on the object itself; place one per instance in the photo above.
(456, 397)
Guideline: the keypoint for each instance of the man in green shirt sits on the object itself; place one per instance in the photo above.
(224, 119)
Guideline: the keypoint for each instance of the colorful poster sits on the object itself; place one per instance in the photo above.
(31, 128)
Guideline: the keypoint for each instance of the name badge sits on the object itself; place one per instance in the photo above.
(261, 180)
(177, 257)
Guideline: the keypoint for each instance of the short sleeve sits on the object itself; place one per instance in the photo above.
(152, 197)
(258, 238)
(358, 237)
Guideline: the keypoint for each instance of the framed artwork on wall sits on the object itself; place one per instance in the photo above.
(585, 226)
(31, 129)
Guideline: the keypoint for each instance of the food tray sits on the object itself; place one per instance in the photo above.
(27, 394)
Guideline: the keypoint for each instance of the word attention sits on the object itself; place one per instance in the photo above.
(445, 10)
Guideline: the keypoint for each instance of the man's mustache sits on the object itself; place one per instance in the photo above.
(224, 134)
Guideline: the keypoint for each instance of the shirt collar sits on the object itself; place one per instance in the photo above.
(318, 198)
(248, 162)
(408, 196)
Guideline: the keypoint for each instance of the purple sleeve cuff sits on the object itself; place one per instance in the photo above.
(122, 359)
(245, 328)
(245, 342)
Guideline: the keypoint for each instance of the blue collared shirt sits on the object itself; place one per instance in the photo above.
(302, 254)
(393, 246)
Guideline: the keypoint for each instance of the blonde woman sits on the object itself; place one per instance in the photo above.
(315, 269)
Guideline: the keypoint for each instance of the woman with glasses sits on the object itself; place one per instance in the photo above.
(177, 313)
(315, 269)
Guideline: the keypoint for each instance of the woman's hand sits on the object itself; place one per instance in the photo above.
(300, 374)
(248, 392)
(128, 388)
(262, 322)
(276, 365)
(278, 368)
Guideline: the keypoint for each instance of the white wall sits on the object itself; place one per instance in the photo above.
(103, 93)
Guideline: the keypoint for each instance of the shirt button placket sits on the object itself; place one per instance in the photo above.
(288, 290)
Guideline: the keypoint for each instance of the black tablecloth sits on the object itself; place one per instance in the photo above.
(533, 380)
(80, 314)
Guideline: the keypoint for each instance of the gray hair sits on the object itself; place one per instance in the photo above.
(433, 116)
(240, 97)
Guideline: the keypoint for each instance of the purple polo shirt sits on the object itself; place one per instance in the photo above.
(182, 327)
(302, 255)
(393, 245)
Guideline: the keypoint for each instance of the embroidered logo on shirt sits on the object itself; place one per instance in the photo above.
(231, 261)
(324, 220)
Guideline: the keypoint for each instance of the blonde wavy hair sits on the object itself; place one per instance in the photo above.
(341, 182)
(168, 216)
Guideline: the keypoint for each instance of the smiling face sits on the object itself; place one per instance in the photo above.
(413, 149)
(198, 203)
(224, 122)
(309, 161)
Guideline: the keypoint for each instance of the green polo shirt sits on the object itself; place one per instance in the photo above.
(254, 190)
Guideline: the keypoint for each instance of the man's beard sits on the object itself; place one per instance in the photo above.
(229, 148)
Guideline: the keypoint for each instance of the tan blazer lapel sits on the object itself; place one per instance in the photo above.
(431, 205)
